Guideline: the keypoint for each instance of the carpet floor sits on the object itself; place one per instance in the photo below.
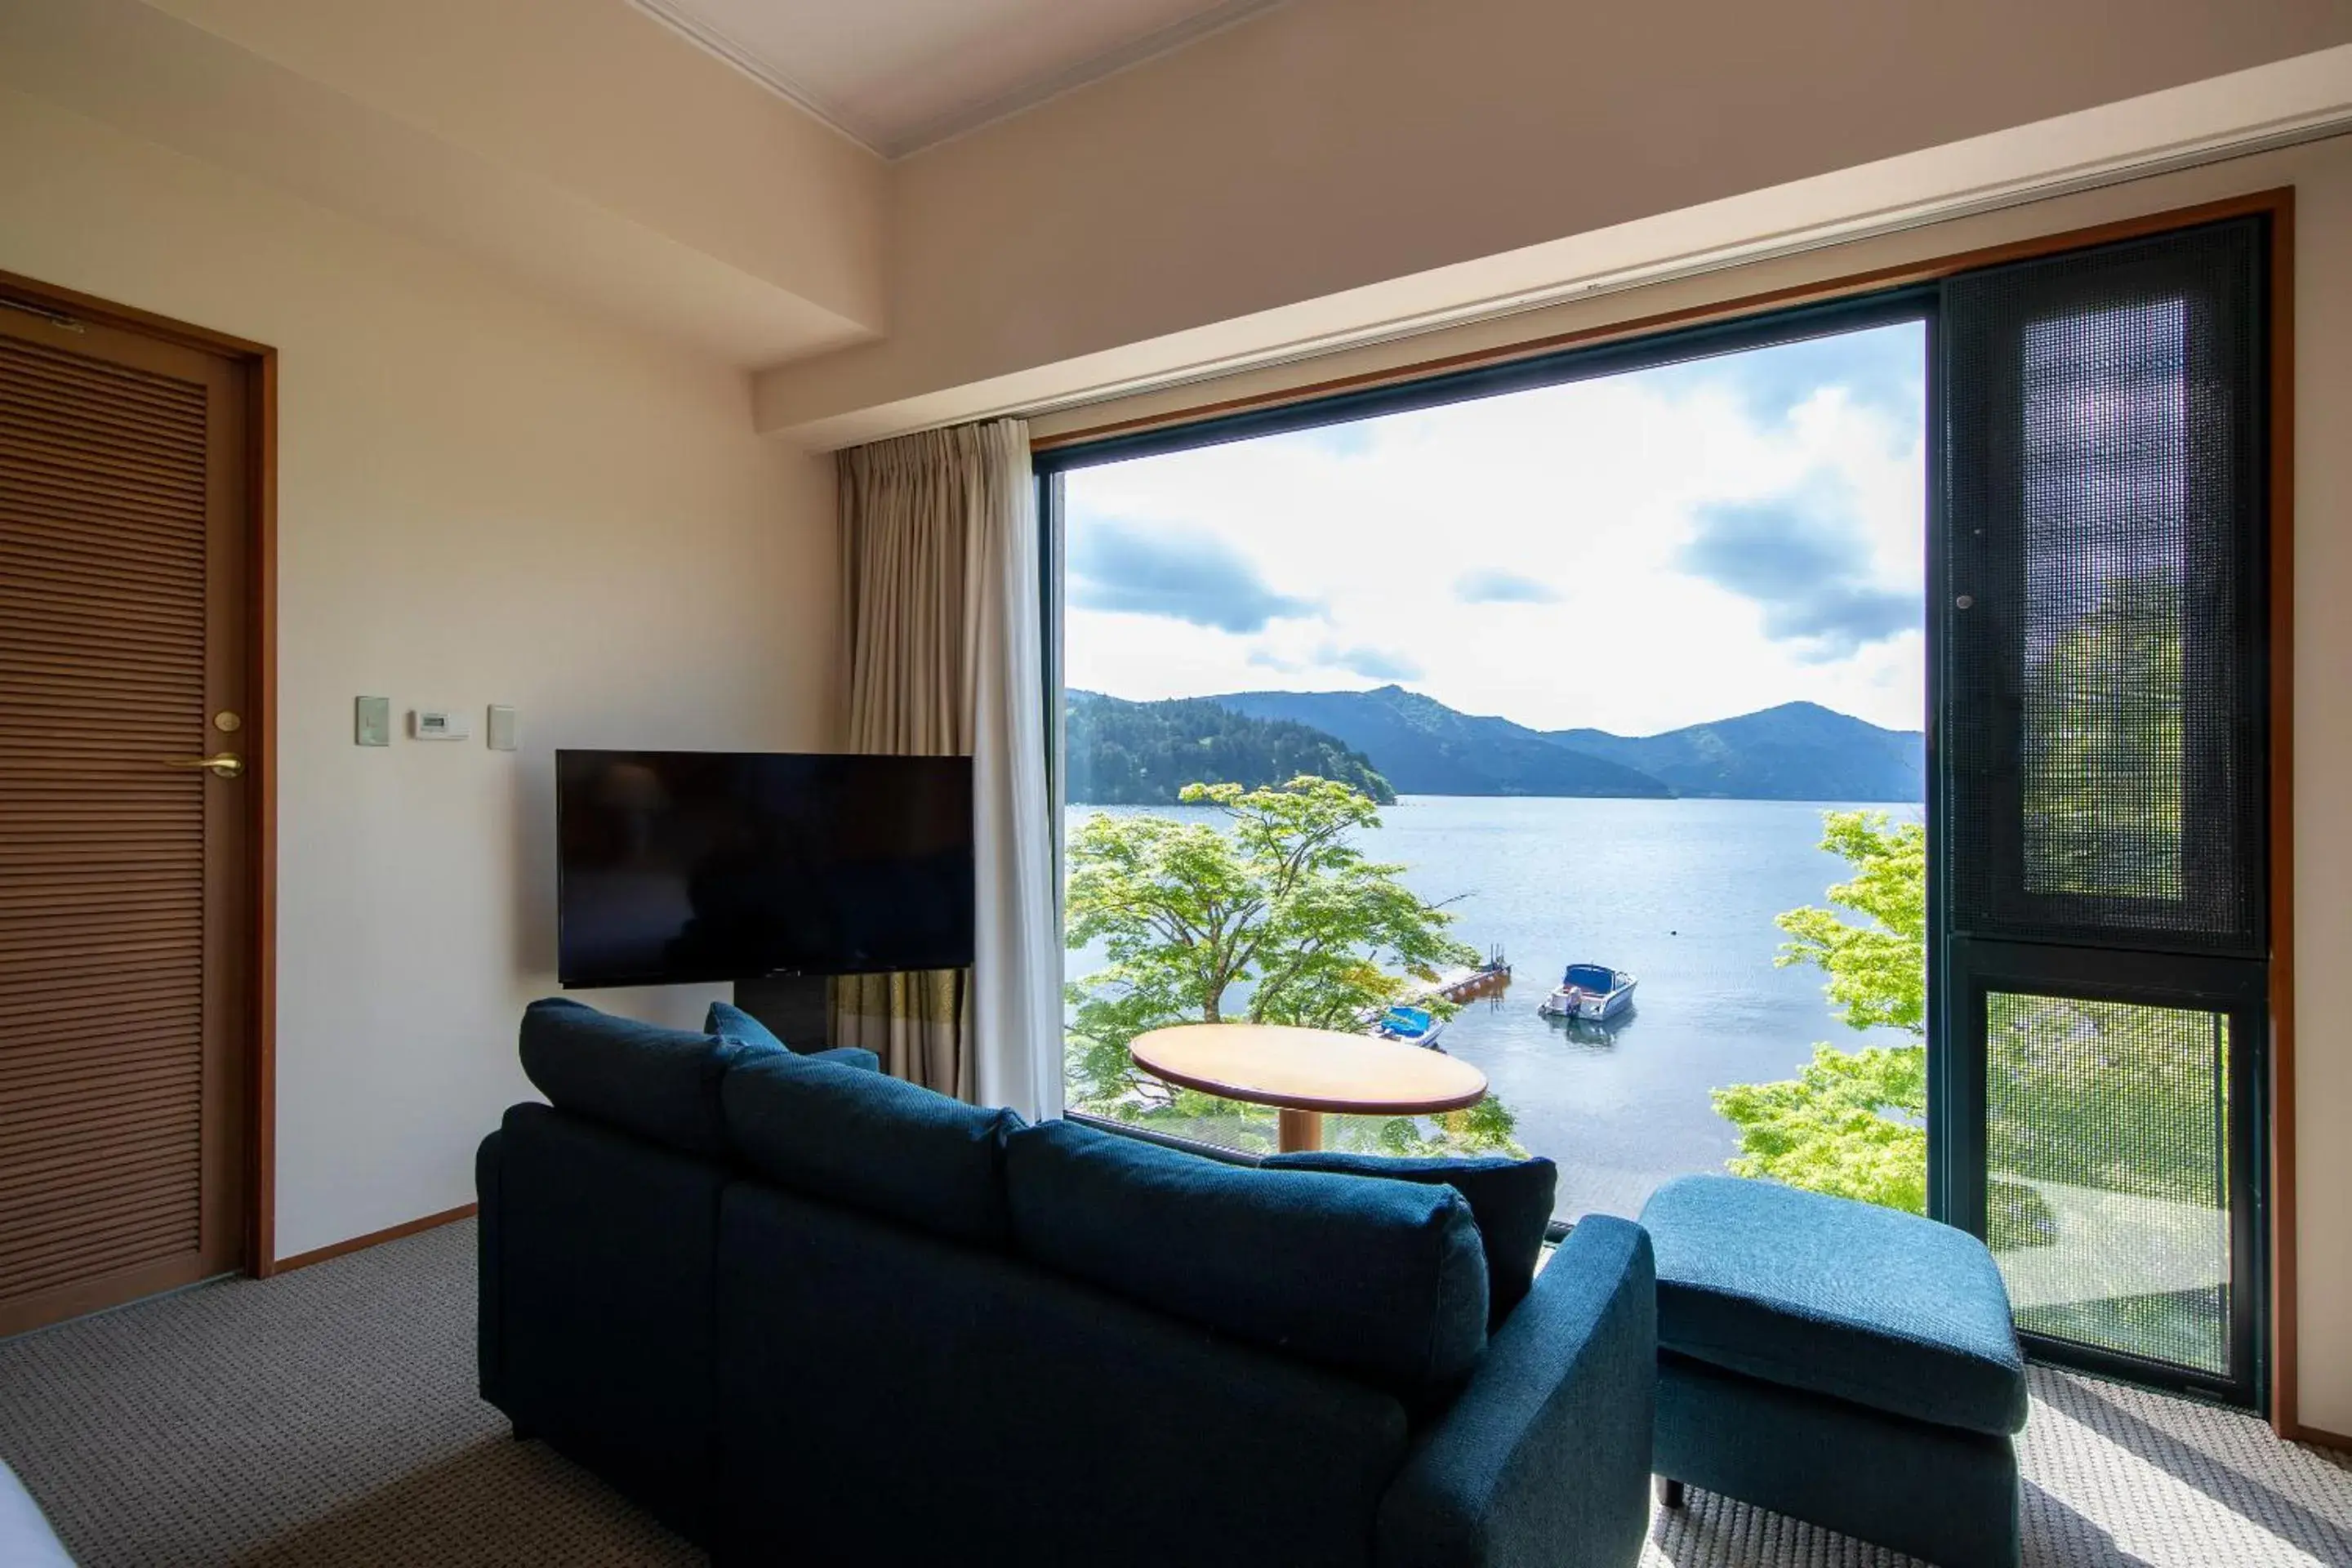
(328, 1416)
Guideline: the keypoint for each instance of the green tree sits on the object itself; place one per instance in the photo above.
(1275, 916)
(1837, 1126)
(1878, 969)
(1854, 1123)
(2121, 1098)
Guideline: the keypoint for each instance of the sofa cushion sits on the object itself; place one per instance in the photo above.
(873, 1142)
(726, 1018)
(1510, 1199)
(655, 1083)
(1866, 1304)
(1380, 1279)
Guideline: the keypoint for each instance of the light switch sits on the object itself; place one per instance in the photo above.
(371, 721)
(501, 728)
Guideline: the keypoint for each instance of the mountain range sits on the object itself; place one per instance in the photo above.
(1434, 750)
(1798, 751)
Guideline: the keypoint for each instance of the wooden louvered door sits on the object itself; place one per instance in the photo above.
(125, 872)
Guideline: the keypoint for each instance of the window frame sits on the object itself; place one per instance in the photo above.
(2243, 978)
(1636, 340)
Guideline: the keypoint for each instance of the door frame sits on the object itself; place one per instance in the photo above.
(1258, 411)
(257, 366)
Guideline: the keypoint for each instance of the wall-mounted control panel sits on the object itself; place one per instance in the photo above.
(436, 724)
(372, 724)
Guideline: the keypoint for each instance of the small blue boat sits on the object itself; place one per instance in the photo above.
(1414, 1025)
(1590, 991)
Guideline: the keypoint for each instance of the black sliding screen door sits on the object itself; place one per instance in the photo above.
(2101, 846)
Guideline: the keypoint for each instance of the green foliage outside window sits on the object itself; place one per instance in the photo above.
(2105, 761)
(2114, 1098)
(1854, 1123)
(1274, 917)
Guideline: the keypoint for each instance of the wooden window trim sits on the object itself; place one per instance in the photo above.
(2278, 205)
(1874, 280)
(258, 364)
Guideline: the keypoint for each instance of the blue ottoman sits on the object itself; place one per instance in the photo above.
(1837, 1362)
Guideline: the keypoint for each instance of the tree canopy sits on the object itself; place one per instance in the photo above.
(1854, 1123)
(1273, 915)
(1878, 969)
(1144, 754)
(2104, 763)
(2115, 1097)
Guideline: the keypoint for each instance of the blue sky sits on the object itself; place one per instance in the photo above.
(1636, 553)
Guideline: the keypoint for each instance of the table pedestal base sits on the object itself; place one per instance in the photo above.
(1299, 1131)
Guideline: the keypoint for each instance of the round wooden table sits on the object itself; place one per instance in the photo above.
(1303, 1073)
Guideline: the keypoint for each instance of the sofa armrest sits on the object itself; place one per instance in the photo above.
(849, 1056)
(1545, 1456)
(489, 1323)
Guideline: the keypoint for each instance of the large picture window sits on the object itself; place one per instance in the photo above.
(1832, 747)
(1605, 676)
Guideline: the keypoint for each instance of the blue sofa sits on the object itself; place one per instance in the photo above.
(808, 1313)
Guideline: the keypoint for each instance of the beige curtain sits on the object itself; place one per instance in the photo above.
(917, 514)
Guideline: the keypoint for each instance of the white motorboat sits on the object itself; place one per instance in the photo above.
(1593, 992)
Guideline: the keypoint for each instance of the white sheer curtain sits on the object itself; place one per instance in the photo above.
(1017, 969)
(942, 643)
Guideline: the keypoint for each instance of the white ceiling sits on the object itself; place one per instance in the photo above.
(900, 75)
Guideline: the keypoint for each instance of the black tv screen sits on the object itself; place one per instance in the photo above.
(700, 865)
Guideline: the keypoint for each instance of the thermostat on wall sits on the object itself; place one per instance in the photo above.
(436, 724)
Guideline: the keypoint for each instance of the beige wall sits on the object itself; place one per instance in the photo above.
(2321, 176)
(604, 101)
(585, 150)
(483, 497)
(1333, 144)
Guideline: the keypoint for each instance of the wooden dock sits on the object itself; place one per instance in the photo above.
(1461, 985)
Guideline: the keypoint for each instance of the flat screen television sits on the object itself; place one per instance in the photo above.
(700, 865)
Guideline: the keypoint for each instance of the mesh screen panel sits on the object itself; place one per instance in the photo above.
(2104, 456)
(2108, 1192)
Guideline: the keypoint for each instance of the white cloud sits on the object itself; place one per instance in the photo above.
(1596, 491)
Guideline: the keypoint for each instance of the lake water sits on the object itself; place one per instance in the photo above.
(1682, 893)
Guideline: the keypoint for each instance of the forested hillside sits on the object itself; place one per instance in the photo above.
(1141, 753)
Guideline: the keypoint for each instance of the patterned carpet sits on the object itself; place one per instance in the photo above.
(328, 1417)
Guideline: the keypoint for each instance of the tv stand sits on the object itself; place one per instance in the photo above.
(793, 1005)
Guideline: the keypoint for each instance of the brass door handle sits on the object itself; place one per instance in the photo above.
(227, 765)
